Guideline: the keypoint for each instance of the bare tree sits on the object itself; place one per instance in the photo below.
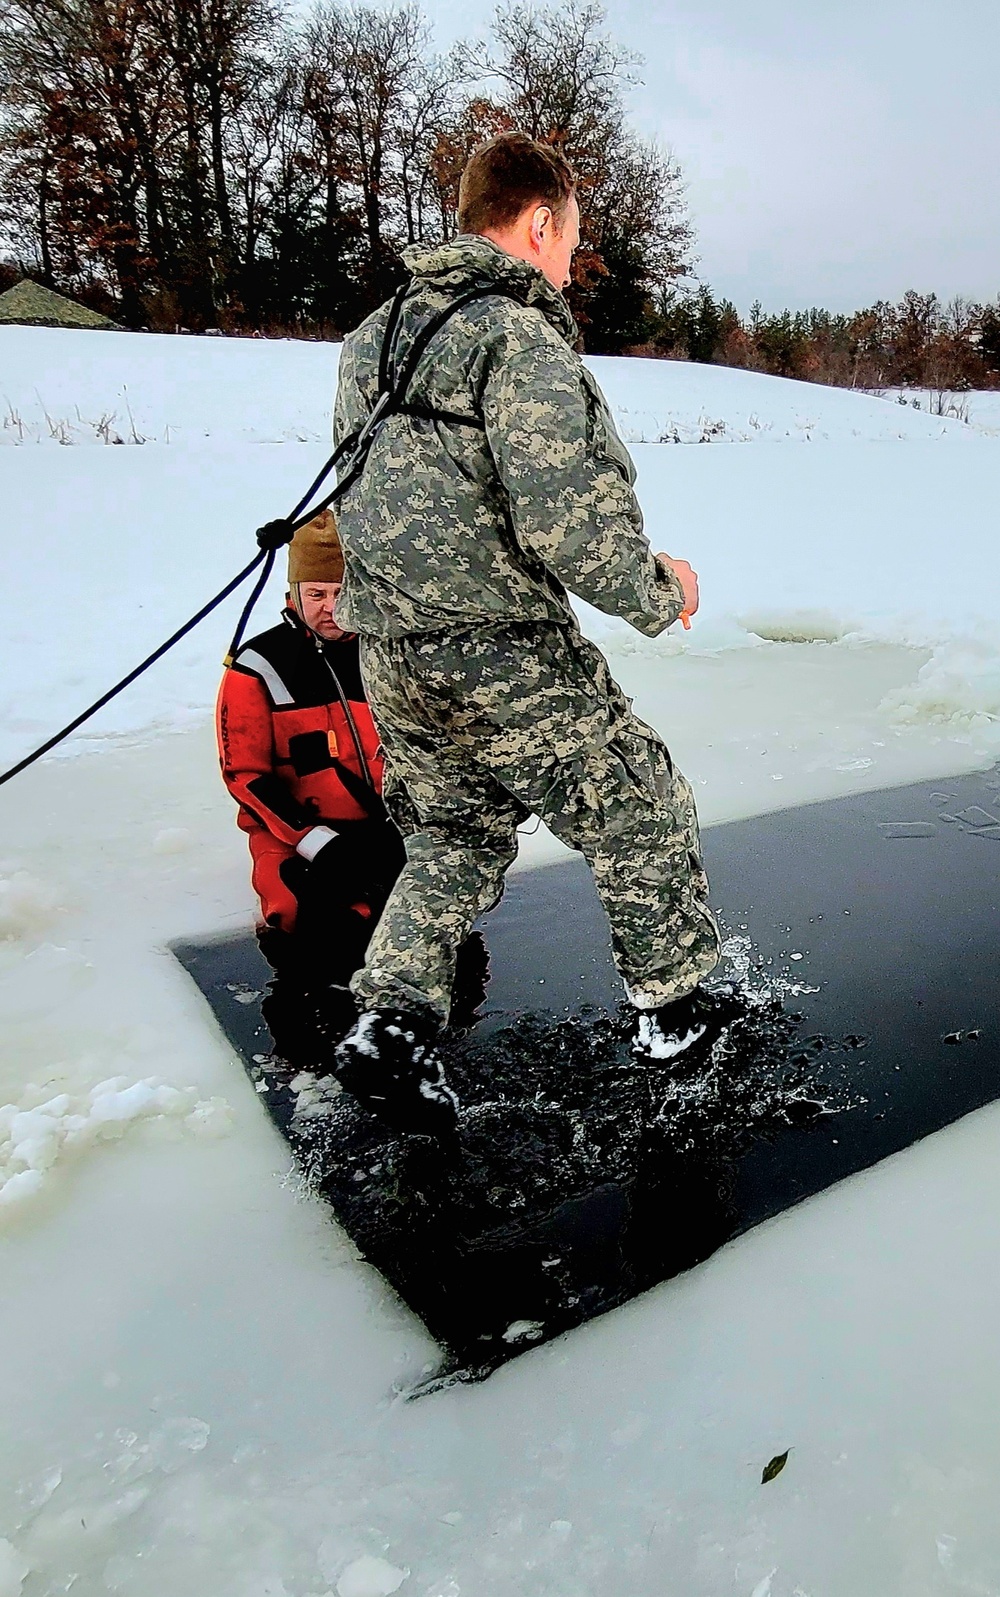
(561, 77)
(391, 99)
(217, 162)
(556, 73)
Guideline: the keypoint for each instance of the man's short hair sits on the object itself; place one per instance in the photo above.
(506, 175)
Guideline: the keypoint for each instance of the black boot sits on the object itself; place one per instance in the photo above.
(390, 1063)
(692, 1024)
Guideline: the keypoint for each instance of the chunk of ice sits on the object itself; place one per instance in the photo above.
(370, 1577)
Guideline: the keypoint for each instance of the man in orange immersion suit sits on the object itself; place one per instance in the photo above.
(301, 756)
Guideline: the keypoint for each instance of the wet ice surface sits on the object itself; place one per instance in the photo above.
(183, 1280)
(568, 1147)
(572, 1153)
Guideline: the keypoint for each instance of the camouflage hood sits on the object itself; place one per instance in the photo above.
(470, 261)
(504, 482)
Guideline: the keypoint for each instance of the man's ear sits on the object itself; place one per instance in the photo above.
(541, 216)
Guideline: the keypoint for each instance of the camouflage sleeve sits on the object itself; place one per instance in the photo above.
(570, 479)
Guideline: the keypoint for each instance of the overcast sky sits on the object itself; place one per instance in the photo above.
(836, 151)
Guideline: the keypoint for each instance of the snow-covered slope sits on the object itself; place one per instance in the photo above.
(682, 402)
(61, 386)
(196, 1374)
(844, 539)
(975, 408)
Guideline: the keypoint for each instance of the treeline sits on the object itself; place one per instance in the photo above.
(230, 164)
(920, 342)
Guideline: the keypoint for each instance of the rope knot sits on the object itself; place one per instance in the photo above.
(275, 534)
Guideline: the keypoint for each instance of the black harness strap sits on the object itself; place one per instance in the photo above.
(450, 417)
(391, 401)
(388, 349)
(364, 796)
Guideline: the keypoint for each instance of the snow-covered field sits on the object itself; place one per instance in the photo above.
(146, 388)
(196, 1373)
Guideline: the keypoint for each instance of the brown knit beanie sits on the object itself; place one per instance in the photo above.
(314, 554)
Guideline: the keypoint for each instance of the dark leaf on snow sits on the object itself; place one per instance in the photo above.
(775, 1466)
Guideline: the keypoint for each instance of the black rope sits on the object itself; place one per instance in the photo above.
(264, 558)
(275, 534)
(271, 537)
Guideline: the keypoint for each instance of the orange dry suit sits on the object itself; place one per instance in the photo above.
(301, 756)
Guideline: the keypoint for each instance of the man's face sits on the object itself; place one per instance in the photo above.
(555, 244)
(317, 601)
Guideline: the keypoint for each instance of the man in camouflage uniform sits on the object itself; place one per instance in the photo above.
(502, 484)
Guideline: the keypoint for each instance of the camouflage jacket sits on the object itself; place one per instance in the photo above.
(487, 523)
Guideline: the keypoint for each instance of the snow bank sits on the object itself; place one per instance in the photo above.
(683, 402)
(39, 1131)
(841, 543)
(60, 386)
(835, 541)
(976, 408)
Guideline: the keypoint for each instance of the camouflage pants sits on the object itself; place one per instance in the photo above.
(482, 729)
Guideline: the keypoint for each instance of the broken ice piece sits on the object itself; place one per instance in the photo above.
(893, 830)
(524, 1331)
(370, 1577)
(975, 816)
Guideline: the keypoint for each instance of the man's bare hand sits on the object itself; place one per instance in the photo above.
(687, 578)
